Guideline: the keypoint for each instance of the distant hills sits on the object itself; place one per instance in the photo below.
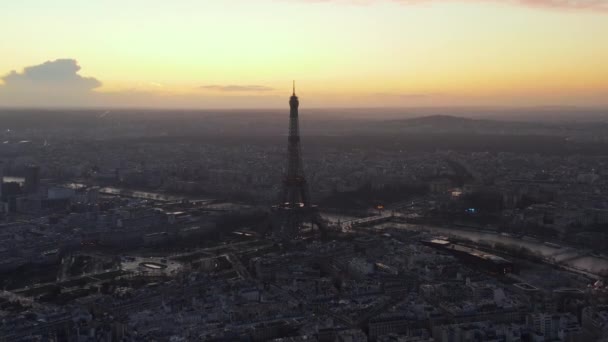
(449, 124)
(313, 122)
(456, 124)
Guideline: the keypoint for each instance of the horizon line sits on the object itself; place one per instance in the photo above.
(507, 107)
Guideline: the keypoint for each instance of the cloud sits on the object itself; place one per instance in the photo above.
(237, 88)
(58, 83)
(409, 96)
(57, 75)
(590, 5)
(52, 83)
(594, 5)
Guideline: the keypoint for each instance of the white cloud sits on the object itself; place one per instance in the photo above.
(237, 88)
(60, 74)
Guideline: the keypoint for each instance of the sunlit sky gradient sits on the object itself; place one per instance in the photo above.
(244, 53)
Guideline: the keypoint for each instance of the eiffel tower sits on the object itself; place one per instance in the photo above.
(294, 210)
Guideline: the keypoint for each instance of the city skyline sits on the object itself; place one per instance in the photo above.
(304, 170)
(244, 54)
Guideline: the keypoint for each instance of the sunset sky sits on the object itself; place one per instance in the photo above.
(342, 53)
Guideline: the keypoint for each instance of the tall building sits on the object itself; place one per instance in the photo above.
(1, 177)
(595, 321)
(294, 209)
(32, 179)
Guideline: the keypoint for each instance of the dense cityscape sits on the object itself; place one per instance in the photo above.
(161, 238)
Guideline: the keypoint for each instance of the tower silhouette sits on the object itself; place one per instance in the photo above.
(294, 209)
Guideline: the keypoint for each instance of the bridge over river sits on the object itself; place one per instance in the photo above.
(572, 258)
